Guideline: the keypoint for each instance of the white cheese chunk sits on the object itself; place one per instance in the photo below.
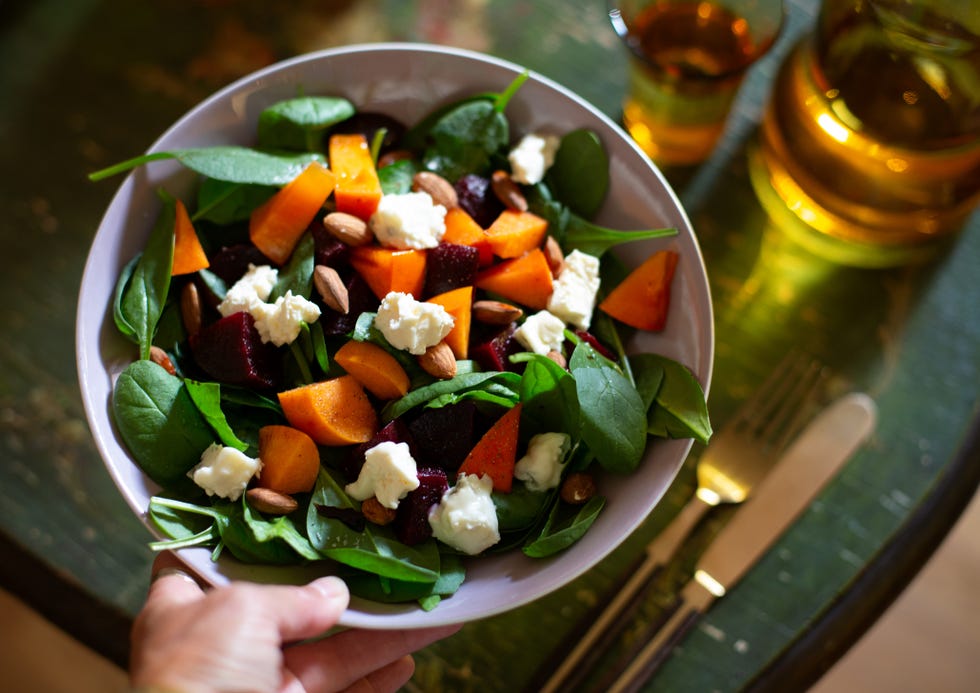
(465, 518)
(540, 468)
(575, 289)
(281, 322)
(254, 287)
(532, 157)
(412, 325)
(224, 471)
(408, 220)
(541, 333)
(389, 473)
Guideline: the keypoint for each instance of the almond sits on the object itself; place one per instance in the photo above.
(438, 188)
(507, 191)
(347, 228)
(577, 488)
(558, 358)
(554, 256)
(391, 157)
(439, 361)
(495, 312)
(270, 502)
(376, 513)
(190, 308)
(331, 289)
(160, 358)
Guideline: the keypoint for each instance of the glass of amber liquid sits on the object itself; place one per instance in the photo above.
(869, 150)
(687, 61)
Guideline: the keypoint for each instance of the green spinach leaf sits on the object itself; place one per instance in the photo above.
(679, 409)
(300, 123)
(222, 202)
(560, 533)
(579, 177)
(207, 398)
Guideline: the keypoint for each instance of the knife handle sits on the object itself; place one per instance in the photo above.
(694, 600)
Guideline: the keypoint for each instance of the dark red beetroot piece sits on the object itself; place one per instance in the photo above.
(231, 262)
(477, 198)
(327, 250)
(361, 299)
(231, 351)
(492, 351)
(450, 266)
(411, 523)
(395, 431)
(444, 435)
(594, 342)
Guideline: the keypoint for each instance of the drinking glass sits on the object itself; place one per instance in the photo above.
(687, 59)
(869, 150)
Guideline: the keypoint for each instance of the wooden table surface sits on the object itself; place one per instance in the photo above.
(88, 82)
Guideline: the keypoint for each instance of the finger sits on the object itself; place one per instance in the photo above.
(387, 679)
(171, 583)
(339, 661)
(307, 611)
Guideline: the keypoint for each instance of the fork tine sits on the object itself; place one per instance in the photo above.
(772, 413)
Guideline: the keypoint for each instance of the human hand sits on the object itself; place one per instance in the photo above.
(245, 637)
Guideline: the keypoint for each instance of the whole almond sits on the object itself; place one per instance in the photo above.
(270, 502)
(438, 188)
(331, 289)
(376, 513)
(507, 191)
(554, 256)
(495, 312)
(438, 361)
(160, 358)
(347, 228)
(190, 308)
(391, 157)
(558, 358)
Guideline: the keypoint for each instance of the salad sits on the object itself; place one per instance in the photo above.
(391, 347)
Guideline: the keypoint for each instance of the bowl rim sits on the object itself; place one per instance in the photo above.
(385, 616)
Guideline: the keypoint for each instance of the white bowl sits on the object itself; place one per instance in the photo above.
(406, 81)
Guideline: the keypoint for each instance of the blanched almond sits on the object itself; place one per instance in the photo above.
(347, 228)
(439, 361)
(495, 312)
(507, 191)
(438, 188)
(331, 288)
(270, 502)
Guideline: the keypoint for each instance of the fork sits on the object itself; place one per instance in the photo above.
(737, 457)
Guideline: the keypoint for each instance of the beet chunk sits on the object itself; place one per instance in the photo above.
(395, 431)
(444, 435)
(477, 198)
(450, 266)
(231, 351)
(411, 523)
(492, 351)
(231, 262)
(328, 250)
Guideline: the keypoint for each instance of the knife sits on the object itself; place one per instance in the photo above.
(805, 468)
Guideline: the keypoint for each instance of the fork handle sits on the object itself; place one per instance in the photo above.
(615, 616)
(665, 545)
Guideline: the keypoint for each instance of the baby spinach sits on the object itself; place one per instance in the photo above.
(454, 386)
(613, 415)
(680, 410)
(579, 176)
(386, 590)
(300, 123)
(297, 275)
(560, 531)
(160, 424)
(519, 509)
(141, 292)
(466, 139)
(222, 202)
(207, 398)
(277, 530)
(228, 163)
(548, 395)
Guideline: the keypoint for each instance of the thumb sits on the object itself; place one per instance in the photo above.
(310, 610)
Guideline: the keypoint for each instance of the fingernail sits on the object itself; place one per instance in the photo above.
(333, 588)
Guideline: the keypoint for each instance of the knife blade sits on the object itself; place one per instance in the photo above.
(804, 469)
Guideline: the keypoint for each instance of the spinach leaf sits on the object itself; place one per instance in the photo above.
(519, 509)
(207, 398)
(428, 594)
(579, 176)
(560, 533)
(141, 300)
(549, 395)
(374, 549)
(396, 178)
(297, 275)
(299, 124)
(122, 323)
(465, 140)
(227, 163)
(161, 427)
(278, 529)
(215, 284)
(613, 415)
(680, 410)
(222, 202)
(456, 385)
(195, 527)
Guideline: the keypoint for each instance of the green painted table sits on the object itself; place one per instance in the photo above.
(88, 82)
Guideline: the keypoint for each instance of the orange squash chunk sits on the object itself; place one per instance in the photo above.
(189, 256)
(374, 368)
(526, 280)
(643, 298)
(290, 460)
(495, 454)
(386, 269)
(514, 233)
(357, 189)
(276, 227)
(462, 229)
(459, 304)
(331, 412)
